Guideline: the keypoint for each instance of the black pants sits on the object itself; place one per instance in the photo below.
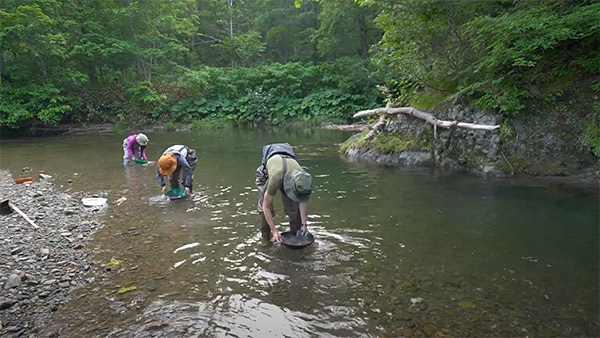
(174, 178)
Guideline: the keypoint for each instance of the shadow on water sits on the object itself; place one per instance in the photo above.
(396, 253)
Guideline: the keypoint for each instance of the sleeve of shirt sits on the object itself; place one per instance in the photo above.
(274, 182)
(130, 141)
(160, 178)
(188, 171)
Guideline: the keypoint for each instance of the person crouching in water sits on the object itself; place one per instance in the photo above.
(280, 171)
(176, 161)
(134, 147)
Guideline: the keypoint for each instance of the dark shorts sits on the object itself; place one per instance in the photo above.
(290, 207)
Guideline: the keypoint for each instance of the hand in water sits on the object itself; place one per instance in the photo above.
(188, 191)
(133, 158)
(164, 189)
(303, 230)
(276, 237)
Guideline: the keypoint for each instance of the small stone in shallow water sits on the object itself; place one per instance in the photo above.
(466, 304)
(406, 332)
(429, 329)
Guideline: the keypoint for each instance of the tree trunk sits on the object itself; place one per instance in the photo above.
(364, 32)
(231, 31)
(92, 74)
(2, 71)
(43, 70)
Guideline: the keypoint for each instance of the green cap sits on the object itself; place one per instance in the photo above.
(297, 185)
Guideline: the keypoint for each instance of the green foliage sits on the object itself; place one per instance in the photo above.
(508, 56)
(276, 93)
(529, 47)
(32, 104)
(119, 128)
(346, 29)
(592, 135)
(70, 61)
(208, 124)
(506, 131)
(170, 126)
(423, 100)
(142, 92)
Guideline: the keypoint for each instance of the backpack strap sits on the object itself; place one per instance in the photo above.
(284, 165)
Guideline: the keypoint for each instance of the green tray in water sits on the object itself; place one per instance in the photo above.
(138, 161)
(175, 194)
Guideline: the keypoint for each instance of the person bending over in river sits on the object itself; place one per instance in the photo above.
(280, 171)
(134, 146)
(176, 161)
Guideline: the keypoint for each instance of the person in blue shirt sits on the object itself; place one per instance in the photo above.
(177, 161)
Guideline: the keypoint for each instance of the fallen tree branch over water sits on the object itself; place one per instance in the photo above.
(418, 114)
(345, 127)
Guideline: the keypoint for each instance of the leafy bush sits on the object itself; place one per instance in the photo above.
(508, 56)
(208, 124)
(506, 131)
(275, 93)
(142, 92)
(32, 104)
(170, 126)
(118, 128)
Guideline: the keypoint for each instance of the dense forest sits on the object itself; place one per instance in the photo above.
(133, 62)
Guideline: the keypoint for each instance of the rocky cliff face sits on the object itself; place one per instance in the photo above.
(532, 145)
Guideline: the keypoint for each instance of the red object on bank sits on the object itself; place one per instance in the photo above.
(23, 180)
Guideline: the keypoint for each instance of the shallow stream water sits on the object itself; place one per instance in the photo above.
(396, 252)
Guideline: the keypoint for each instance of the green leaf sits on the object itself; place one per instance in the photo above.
(114, 261)
(126, 288)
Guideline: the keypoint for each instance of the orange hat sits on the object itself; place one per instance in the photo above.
(167, 164)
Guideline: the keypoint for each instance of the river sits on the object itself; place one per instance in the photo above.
(396, 252)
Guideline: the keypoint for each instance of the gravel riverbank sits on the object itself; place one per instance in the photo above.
(39, 268)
